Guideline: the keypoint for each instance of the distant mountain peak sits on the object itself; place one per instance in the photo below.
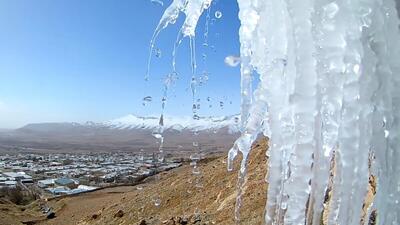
(175, 122)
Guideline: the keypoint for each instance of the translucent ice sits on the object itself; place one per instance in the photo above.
(328, 98)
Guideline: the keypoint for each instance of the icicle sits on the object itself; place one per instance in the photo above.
(249, 18)
(169, 17)
(388, 196)
(303, 101)
(329, 33)
(328, 72)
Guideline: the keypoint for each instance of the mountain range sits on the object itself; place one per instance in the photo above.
(128, 133)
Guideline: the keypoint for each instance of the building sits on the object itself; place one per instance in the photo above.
(46, 183)
(66, 182)
(19, 176)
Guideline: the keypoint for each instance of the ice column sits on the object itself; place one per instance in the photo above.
(328, 94)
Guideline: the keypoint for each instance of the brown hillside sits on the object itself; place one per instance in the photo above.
(180, 198)
(129, 205)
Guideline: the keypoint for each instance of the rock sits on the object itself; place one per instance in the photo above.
(169, 222)
(95, 216)
(182, 221)
(195, 219)
(119, 214)
(142, 222)
(50, 215)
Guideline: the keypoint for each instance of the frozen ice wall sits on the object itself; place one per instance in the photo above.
(328, 99)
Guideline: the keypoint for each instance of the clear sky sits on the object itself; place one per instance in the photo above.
(74, 60)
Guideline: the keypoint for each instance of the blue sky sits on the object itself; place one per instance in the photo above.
(74, 60)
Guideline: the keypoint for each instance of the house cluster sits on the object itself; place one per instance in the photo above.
(11, 179)
(63, 186)
(60, 174)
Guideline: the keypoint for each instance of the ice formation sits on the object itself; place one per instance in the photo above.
(328, 99)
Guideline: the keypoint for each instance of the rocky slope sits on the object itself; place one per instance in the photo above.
(180, 199)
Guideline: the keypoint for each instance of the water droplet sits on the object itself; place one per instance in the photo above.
(195, 157)
(157, 2)
(160, 157)
(141, 155)
(221, 104)
(147, 99)
(157, 202)
(218, 14)
(197, 212)
(331, 10)
(387, 133)
(158, 52)
(196, 170)
(208, 99)
(205, 75)
(195, 144)
(170, 79)
(196, 117)
(356, 69)
(198, 183)
(156, 135)
(161, 121)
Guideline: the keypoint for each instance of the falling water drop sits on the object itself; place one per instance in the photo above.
(157, 51)
(196, 170)
(157, 2)
(141, 155)
(146, 100)
(156, 134)
(195, 157)
(157, 202)
(218, 14)
(386, 133)
(198, 182)
(232, 61)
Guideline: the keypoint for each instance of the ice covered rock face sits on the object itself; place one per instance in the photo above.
(328, 94)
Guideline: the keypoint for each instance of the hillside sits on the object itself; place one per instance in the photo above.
(133, 205)
(216, 199)
(128, 205)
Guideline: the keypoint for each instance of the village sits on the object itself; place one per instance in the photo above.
(52, 175)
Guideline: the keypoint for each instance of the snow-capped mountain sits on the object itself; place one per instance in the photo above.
(175, 123)
(128, 133)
